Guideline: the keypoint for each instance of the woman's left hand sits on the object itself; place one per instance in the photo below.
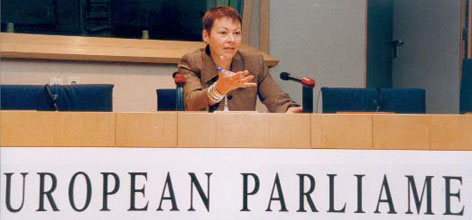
(294, 109)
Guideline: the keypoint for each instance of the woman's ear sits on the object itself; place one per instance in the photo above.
(205, 36)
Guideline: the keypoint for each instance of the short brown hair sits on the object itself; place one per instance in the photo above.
(217, 12)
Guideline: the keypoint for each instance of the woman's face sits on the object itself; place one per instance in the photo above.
(224, 38)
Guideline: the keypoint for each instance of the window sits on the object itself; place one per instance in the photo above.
(153, 19)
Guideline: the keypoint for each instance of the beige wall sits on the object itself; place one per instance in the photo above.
(135, 84)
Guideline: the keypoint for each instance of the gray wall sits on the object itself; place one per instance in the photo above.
(322, 39)
(430, 55)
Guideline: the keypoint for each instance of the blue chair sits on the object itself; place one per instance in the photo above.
(25, 97)
(403, 100)
(166, 99)
(85, 97)
(349, 100)
(57, 97)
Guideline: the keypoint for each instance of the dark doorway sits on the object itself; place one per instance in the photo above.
(416, 44)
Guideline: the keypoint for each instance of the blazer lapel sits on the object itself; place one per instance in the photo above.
(238, 63)
(209, 71)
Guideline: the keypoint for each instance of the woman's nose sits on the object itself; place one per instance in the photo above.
(230, 38)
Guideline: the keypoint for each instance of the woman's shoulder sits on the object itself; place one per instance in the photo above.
(192, 60)
(247, 54)
(194, 54)
(252, 59)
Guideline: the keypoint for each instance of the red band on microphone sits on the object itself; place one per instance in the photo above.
(308, 81)
(179, 78)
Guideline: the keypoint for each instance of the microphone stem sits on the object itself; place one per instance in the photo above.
(307, 98)
(179, 98)
(295, 79)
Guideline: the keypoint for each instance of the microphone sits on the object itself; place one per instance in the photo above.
(307, 90)
(179, 80)
(174, 74)
(304, 80)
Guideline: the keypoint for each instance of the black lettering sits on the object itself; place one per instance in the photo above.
(171, 196)
(134, 191)
(106, 193)
(331, 196)
(246, 193)
(419, 200)
(359, 194)
(388, 200)
(48, 193)
(71, 191)
(280, 197)
(306, 195)
(449, 195)
(205, 198)
(8, 193)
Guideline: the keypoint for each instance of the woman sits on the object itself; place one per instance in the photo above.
(221, 77)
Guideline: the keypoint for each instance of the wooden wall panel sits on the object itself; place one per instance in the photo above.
(196, 129)
(27, 128)
(246, 25)
(56, 47)
(236, 130)
(146, 129)
(290, 130)
(84, 129)
(402, 132)
(264, 28)
(343, 131)
(451, 132)
(317, 131)
(242, 129)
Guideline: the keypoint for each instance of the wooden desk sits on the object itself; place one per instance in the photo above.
(236, 130)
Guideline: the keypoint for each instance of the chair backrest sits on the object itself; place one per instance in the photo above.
(86, 97)
(25, 97)
(349, 100)
(397, 100)
(166, 99)
(403, 100)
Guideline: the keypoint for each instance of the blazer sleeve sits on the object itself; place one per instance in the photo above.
(269, 92)
(195, 95)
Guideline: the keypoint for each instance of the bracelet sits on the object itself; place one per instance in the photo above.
(214, 95)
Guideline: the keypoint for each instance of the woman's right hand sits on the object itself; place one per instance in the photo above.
(228, 81)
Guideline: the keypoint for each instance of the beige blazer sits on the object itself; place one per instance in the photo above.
(199, 71)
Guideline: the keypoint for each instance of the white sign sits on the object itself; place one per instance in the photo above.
(259, 184)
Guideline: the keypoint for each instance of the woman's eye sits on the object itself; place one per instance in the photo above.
(237, 33)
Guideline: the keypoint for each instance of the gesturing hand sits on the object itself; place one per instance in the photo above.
(228, 81)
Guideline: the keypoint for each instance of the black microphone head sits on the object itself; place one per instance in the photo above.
(175, 73)
(284, 76)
